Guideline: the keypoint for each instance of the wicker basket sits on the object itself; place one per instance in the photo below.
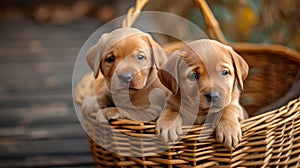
(269, 140)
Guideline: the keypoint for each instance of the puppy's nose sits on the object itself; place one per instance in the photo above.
(213, 96)
(126, 77)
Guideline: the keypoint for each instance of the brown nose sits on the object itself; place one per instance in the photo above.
(126, 77)
(212, 96)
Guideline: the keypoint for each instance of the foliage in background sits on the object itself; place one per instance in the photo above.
(258, 21)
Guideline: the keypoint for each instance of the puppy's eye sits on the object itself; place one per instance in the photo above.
(194, 76)
(110, 59)
(225, 73)
(140, 57)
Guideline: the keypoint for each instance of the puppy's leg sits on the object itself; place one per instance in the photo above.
(169, 125)
(110, 113)
(104, 100)
(227, 127)
(89, 105)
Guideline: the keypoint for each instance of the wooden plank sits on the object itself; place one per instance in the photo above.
(24, 69)
(34, 89)
(38, 123)
(40, 132)
(24, 46)
(71, 160)
(13, 70)
(37, 80)
(47, 80)
(37, 83)
(23, 55)
(22, 148)
(49, 86)
(38, 115)
(32, 101)
(40, 97)
(27, 29)
(40, 82)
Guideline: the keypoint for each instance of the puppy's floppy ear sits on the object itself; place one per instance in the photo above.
(241, 67)
(169, 73)
(93, 56)
(158, 53)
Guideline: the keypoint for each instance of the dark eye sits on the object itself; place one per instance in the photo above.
(140, 57)
(194, 76)
(225, 72)
(110, 59)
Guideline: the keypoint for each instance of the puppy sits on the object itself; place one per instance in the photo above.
(205, 78)
(126, 62)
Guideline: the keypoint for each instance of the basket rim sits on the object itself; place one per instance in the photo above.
(247, 46)
(284, 50)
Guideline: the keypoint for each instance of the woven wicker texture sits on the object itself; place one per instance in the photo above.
(269, 140)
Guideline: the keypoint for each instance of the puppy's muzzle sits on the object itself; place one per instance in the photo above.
(213, 96)
(126, 77)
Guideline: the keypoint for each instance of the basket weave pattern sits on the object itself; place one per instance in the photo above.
(269, 140)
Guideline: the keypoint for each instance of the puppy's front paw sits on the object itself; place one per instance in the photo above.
(229, 133)
(106, 114)
(169, 128)
(89, 105)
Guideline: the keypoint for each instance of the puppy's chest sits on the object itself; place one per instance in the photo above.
(200, 119)
(151, 100)
(192, 119)
(140, 100)
(133, 101)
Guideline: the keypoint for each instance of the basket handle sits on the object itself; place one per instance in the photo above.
(210, 20)
(133, 13)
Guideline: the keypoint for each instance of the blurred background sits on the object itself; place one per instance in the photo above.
(39, 42)
(258, 21)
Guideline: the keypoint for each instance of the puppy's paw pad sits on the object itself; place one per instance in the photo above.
(104, 115)
(229, 135)
(113, 115)
(89, 105)
(168, 129)
(100, 118)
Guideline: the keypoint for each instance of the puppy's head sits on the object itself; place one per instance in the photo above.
(207, 70)
(126, 58)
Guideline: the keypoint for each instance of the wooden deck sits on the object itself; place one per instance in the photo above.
(38, 123)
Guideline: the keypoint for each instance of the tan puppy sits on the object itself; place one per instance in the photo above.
(127, 60)
(204, 77)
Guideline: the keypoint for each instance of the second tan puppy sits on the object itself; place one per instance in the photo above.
(126, 61)
(204, 77)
